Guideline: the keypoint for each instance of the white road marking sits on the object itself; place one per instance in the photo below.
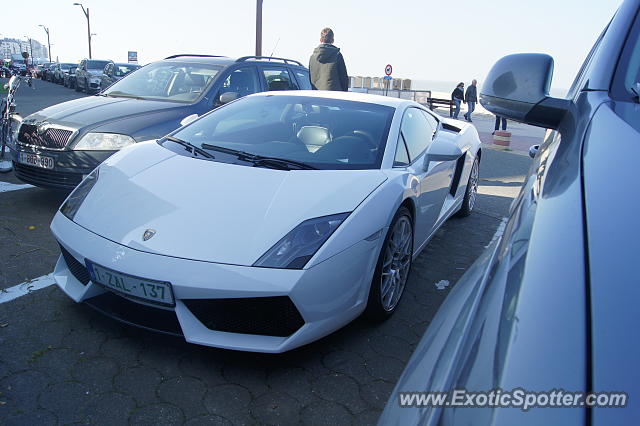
(442, 284)
(499, 232)
(6, 186)
(11, 293)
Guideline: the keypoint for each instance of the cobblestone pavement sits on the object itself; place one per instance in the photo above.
(62, 363)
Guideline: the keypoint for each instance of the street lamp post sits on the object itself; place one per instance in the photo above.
(48, 40)
(30, 52)
(86, 14)
(258, 27)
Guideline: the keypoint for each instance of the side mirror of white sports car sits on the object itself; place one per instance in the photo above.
(442, 150)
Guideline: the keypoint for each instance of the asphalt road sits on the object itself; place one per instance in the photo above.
(62, 363)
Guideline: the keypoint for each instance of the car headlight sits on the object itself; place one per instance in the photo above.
(71, 205)
(298, 246)
(16, 131)
(104, 142)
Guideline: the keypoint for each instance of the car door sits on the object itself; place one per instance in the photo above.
(417, 133)
(242, 81)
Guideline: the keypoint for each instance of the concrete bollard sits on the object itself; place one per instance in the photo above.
(502, 138)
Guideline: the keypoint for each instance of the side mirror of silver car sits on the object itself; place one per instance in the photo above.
(533, 151)
(517, 87)
(227, 97)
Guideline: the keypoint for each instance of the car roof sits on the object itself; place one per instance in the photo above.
(347, 96)
(226, 61)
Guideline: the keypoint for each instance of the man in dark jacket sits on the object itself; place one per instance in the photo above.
(471, 97)
(326, 66)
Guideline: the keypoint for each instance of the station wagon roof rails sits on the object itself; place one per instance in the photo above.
(269, 58)
(194, 54)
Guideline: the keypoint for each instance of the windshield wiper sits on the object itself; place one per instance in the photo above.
(281, 163)
(260, 160)
(240, 154)
(123, 95)
(190, 147)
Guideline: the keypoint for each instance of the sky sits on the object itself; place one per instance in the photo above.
(422, 39)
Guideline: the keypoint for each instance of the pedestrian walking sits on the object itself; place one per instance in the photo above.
(504, 124)
(471, 97)
(457, 96)
(326, 66)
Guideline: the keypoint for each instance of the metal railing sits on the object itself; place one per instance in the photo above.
(419, 96)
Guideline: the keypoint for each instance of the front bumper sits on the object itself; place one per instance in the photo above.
(69, 169)
(326, 296)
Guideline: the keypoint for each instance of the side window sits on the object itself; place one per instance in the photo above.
(417, 132)
(402, 156)
(303, 80)
(278, 79)
(433, 122)
(243, 81)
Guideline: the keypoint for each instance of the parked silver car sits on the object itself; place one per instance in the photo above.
(60, 70)
(88, 75)
(553, 303)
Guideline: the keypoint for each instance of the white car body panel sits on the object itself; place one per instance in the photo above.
(200, 216)
(213, 221)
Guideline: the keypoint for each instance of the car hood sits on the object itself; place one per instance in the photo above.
(97, 110)
(210, 211)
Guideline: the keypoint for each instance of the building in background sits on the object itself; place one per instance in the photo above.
(13, 46)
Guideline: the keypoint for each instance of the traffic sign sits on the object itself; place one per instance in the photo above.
(388, 69)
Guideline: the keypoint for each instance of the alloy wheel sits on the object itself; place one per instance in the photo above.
(473, 185)
(396, 263)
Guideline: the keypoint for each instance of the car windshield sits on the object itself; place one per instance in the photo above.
(96, 65)
(320, 132)
(168, 81)
(65, 67)
(120, 70)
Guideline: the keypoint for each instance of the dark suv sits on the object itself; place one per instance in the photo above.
(60, 144)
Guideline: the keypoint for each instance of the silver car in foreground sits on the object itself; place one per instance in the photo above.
(552, 305)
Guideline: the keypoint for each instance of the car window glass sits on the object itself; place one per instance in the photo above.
(170, 81)
(433, 122)
(243, 82)
(402, 156)
(278, 79)
(96, 65)
(303, 80)
(626, 81)
(325, 133)
(120, 70)
(417, 132)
